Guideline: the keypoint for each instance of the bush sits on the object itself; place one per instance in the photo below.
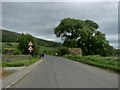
(17, 52)
(63, 51)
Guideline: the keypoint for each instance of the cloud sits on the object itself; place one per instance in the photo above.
(40, 18)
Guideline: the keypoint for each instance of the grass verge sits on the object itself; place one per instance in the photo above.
(19, 63)
(107, 63)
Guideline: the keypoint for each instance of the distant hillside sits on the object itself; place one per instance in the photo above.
(9, 36)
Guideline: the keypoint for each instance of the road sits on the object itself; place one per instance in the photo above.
(57, 72)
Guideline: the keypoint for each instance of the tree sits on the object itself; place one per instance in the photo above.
(62, 51)
(24, 39)
(82, 34)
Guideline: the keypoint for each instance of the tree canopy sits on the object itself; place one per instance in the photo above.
(83, 34)
(24, 39)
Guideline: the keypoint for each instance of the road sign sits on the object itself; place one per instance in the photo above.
(30, 48)
(30, 44)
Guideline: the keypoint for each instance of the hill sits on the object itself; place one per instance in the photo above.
(10, 36)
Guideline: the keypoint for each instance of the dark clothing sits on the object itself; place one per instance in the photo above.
(42, 55)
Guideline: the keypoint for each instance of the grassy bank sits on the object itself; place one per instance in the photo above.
(107, 63)
(19, 63)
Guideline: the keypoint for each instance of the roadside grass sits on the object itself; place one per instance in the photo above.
(103, 62)
(19, 63)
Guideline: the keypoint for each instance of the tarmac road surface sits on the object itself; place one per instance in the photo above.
(57, 72)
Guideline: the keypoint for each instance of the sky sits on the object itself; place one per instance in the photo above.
(40, 18)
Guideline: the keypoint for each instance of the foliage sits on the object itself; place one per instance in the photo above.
(62, 51)
(45, 49)
(117, 52)
(9, 36)
(82, 34)
(23, 40)
(9, 46)
(17, 52)
(108, 63)
(48, 50)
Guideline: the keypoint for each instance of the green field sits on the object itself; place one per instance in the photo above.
(111, 63)
(9, 45)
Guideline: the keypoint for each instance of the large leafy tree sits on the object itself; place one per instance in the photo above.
(24, 39)
(83, 34)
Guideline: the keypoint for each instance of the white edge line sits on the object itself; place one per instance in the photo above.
(17, 80)
(21, 77)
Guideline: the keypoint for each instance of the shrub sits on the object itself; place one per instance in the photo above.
(63, 51)
(17, 52)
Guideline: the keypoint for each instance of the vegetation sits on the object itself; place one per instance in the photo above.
(83, 34)
(23, 40)
(108, 63)
(19, 63)
(20, 44)
(62, 51)
(46, 43)
(76, 34)
(9, 36)
(12, 47)
(47, 50)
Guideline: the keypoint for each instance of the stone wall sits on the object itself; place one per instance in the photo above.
(75, 51)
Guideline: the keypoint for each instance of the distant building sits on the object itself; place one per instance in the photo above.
(75, 51)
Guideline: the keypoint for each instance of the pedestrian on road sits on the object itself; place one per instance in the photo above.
(42, 55)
